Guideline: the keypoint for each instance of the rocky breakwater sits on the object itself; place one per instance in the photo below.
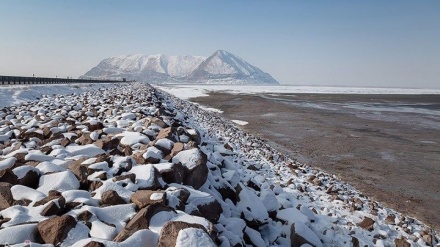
(133, 166)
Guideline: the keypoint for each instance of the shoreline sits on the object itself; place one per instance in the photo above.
(332, 141)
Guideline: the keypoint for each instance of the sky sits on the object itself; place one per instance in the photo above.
(393, 43)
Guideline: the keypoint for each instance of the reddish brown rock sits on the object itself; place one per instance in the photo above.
(170, 231)
(20, 159)
(390, 219)
(95, 126)
(65, 142)
(143, 198)
(94, 185)
(6, 199)
(53, 195)
(111, 197)
(367, 224)
(46, 132)
(84, 216)
(94, 244)
(141, 220)
(139, 158)
(178, 146)
(107, 143)
(78, 170)
(169, 133)
(159, 122)
(51, 209)
(85, 139)
(22, 202)
(130, 176)
(401, 242)
(54, 230)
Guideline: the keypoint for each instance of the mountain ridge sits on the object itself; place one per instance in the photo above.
(221, 67)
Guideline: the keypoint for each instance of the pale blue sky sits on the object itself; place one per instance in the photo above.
(392, 43)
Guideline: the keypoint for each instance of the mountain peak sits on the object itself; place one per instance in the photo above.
(221, 67)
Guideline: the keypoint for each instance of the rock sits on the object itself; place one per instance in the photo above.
(195, 136)
(94, 185)
(51, 209)
(143, 198)
(301, 234)
(141, 220)
(94, 244)
(169, 133)
(428, 239)
(165, 145)
(251, 207)
(7, 176)
(177, 198)
(178, 146)
(65, 142)
(194, 162)
(367, 224)
(30, 179)
(153, 155)
(138, 157)
(6, 199)
(107, 143)
(79, 170)
(401, 242)
(130, 176)
(111, 197)
(173, 174)
(94, 126)
(147, 176)
(60, 181)
(22, 202)
(390, 219)
(84, 216)
(85, 139)
(55, 230)
(159, 122)
(170, 231)
(50, 197)
(211, 211)
(355, 241)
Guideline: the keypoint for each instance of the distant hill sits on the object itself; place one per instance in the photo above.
(221, 67)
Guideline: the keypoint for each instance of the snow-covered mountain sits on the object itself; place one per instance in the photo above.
(220, 68)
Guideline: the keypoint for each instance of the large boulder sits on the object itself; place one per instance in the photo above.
(170, 231)
(55, 230)
(143, 198)
(194, 162)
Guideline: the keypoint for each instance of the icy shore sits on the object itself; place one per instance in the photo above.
(135, 166)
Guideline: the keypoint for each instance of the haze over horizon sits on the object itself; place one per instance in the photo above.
(338, 43)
